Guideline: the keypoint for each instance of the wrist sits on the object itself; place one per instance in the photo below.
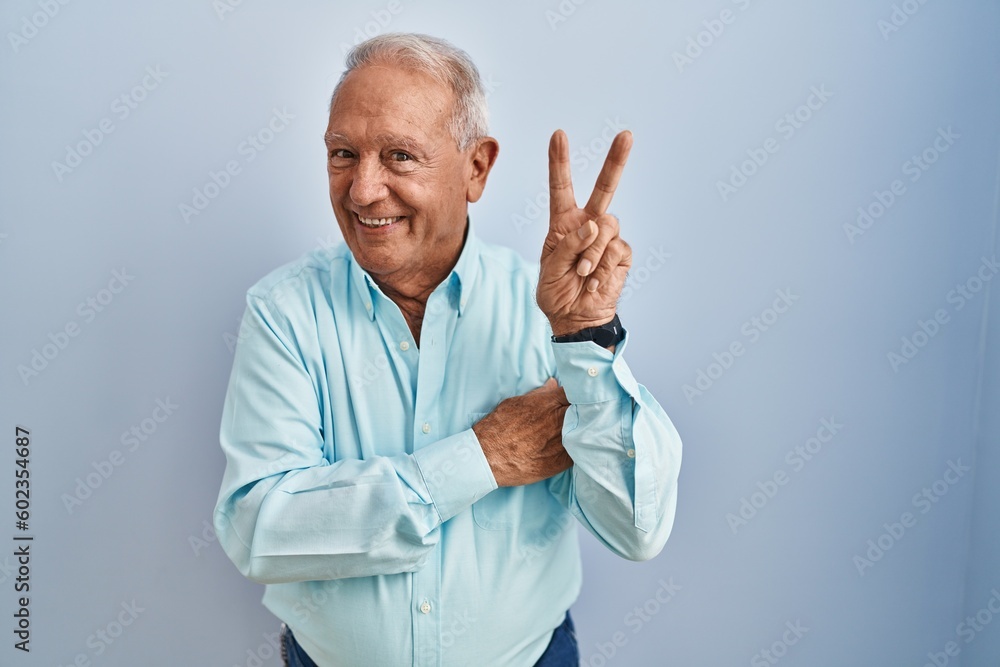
(487, 442)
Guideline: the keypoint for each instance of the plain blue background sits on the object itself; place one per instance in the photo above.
(141, 536)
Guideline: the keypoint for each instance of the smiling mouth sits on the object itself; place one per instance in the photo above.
(374, 223)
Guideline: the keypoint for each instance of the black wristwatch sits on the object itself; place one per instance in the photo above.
(605, 335)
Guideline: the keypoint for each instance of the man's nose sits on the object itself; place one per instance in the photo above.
(368, 185)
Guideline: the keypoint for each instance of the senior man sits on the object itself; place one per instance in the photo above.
(402, 469)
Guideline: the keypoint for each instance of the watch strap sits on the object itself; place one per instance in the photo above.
(604, 335)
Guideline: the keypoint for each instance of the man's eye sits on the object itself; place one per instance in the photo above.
(400, 156)
(342, 153)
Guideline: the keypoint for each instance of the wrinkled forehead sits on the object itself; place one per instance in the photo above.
(391, 101)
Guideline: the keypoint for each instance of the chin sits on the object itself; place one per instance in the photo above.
(377, 261)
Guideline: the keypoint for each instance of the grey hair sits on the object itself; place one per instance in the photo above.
(441, 60)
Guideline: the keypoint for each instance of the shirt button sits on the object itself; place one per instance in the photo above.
(426, 428)
(404, 346)
(630, 453)
(592, 372)
(425, 608)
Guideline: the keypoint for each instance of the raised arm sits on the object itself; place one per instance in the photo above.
(626, 452)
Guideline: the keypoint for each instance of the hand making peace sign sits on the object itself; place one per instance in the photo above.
(584, 260)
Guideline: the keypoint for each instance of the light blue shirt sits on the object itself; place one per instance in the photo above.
(357, 491)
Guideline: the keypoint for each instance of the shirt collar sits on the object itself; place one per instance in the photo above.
(460, 281)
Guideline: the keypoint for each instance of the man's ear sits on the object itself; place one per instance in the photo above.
(484, 154)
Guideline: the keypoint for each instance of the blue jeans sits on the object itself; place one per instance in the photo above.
(561, 651)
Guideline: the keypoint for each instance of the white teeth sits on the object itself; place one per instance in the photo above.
(378, 222)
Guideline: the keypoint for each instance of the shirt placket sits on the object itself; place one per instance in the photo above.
(427, 428)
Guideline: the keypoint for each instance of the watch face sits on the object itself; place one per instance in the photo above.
(609, 334)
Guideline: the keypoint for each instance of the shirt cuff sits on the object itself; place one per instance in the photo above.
(456, 472)
(590, 373)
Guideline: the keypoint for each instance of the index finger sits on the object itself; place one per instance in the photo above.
(611, 172)
(561, 196)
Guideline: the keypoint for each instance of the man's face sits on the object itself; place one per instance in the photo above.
(390, 157)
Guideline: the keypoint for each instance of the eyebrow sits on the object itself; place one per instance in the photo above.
(390, 139)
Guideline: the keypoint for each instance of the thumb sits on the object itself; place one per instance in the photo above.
(566, 253)
(550, 385)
